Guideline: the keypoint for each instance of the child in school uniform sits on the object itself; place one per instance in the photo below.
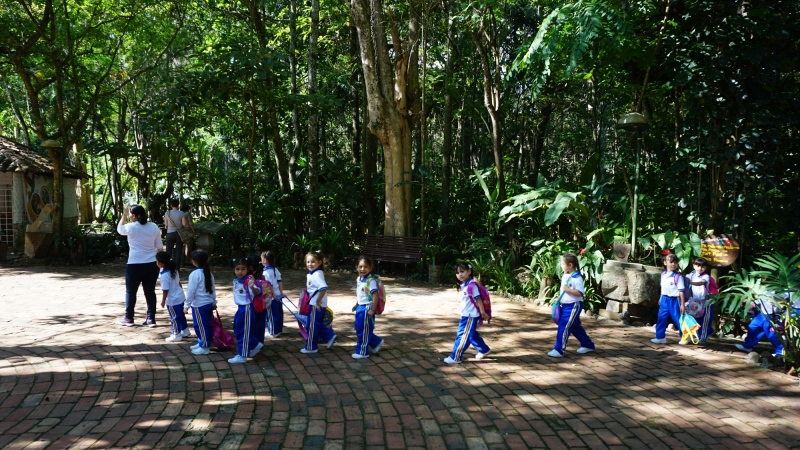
(244, 289)
(572, 290)
(318, 290)
(472, 312)
(760, 327)
(671, 304)
(703, 284)
(274, 311)
(172, 296)
(366, 288)
(201, 298)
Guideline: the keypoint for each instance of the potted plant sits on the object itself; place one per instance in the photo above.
(622, 248)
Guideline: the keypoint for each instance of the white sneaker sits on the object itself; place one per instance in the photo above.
(238, 359)
(450, 360)
(583, 350)
(377, 348)
(257, 349)
(267, 335)
(201, 351)
(276, 335)
(186, 332)
(480, 355)
(332, 341)
(743, 348)
(174, 338)
(359, 356)
(555, 354)
(306, 351)
(681, 342)
(659, 341)
(194, 347)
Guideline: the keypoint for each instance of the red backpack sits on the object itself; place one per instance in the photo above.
(487, 301)
(305, 302)
(379, 298)
(221, 338)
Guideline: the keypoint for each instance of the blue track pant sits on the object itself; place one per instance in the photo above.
(467, 335)
(365, 331)
(201, 315)
(570, 323)
(668, 308)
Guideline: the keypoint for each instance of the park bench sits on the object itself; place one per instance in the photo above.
(394, 249)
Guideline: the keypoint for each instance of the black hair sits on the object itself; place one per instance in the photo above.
(269, 255)
(140, 213)
(166, 260)
(173, 203)
(185, 207)
(254, 263)
(200, 257)
(701, 262)
(318, 256)
(462, 266)
(238, 262)
(367, 260)
(572, 260)
(671, 257)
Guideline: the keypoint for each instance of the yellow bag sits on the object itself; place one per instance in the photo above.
(689, 329)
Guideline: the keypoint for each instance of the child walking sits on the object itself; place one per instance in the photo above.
(366, 287)
(671, 304)
(761, 327)
(472, 313)
(572, 291)
(244, 289)
(201, 297)
(274, 311)
(173, 296)
(318, 291)
(703, 284)
(258, 327)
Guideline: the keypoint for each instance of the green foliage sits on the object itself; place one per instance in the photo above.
(686, 246)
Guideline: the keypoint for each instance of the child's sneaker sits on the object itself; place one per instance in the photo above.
(377, 348)
(555, 354)
(359, 356)
(307, 351)
(450, 360)
(174, 338)
(150, 323)
(743, 348)
(125, 322)
(186, 333)
(583, 350)
(480, 355)
(276, 335)
(201, 351)
(195, 346)
(332, 341)
(257, 349)
(659, 341)
(238, 359)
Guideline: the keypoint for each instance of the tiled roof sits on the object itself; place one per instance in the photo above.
(15, 157)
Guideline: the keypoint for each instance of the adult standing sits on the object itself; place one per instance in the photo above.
(144, 241)
(173, 220)
(187, 246)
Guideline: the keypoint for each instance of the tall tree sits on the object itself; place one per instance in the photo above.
(392, 100)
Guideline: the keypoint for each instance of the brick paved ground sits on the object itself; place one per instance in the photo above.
(69, 377)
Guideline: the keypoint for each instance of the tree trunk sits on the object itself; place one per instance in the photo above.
(447, 125)
(293, 82)
(392, 102)
(313, 122)
(538, 142)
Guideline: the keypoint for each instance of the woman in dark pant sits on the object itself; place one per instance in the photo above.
(174, 219)
(144, 241)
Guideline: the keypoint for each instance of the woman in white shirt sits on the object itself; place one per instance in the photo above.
(144, 241)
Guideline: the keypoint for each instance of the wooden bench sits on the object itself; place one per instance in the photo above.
(395, 249)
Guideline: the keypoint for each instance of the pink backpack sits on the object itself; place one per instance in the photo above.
(221, 338)
(487, 301)
(260, 300)
(379, 298)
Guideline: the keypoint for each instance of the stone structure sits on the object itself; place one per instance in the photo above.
(26, 186)
(629, 287)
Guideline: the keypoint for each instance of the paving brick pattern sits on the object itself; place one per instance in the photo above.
(69, 377)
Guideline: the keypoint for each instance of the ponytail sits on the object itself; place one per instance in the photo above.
(200, 257)
(140, 213)
(166, 259)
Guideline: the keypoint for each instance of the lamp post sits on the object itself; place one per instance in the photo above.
(637, 122)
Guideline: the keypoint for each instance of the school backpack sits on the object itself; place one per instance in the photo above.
(259, 301)
(221, 338)
(379, 298)
(305, 302)
(687, 287)
(484, 294)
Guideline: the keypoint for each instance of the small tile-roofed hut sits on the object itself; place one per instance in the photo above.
(26, 186)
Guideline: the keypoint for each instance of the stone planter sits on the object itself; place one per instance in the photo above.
(630, 287)
(622, 250)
